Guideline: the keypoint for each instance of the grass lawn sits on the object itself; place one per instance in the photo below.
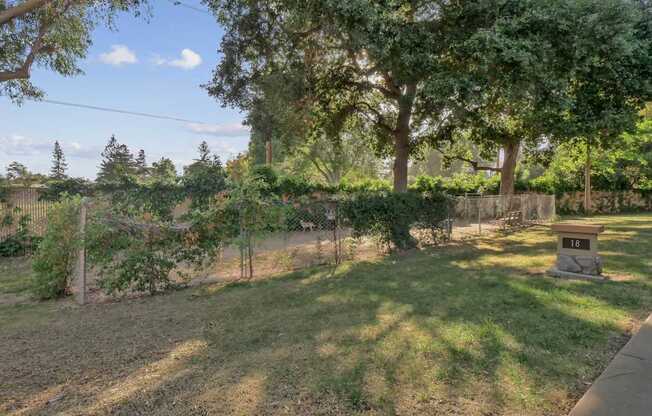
(471, 329)
(15, 274)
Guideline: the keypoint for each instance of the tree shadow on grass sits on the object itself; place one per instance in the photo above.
(431, 333)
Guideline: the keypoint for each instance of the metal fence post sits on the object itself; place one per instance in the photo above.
(81, 257)
(480, 215)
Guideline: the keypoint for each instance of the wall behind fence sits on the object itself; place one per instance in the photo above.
(605, 202)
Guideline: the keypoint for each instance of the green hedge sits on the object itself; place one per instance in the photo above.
(390, 216)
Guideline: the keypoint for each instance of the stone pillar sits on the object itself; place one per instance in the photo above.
(577, 251)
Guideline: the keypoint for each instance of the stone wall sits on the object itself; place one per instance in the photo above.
(604, 202)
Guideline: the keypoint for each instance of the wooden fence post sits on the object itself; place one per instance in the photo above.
(81, 257)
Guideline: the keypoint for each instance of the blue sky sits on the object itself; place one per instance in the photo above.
(152, 66)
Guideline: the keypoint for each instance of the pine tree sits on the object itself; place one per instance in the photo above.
(59, 164)
(141, 163)
(204, 152)
(117, 162)
(17, 171)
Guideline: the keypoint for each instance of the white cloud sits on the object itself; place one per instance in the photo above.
(119, 55)
(221, 130)
(17, 146)
(189, 59)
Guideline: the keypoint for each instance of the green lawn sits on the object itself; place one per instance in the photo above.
(472, 329)
(15, 274)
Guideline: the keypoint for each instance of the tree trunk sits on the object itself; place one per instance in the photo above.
(508, 171)
(268, 152)
(402, 139)
(587, 179)
(401, 156)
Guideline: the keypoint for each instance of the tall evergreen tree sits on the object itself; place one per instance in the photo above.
(204, 152)
(117, 163)
(141, 163)
(59, 164)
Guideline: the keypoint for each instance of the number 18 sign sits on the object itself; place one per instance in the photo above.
(576, 243)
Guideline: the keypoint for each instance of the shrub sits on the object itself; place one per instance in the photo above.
(56, 189)
(157, 198)
(297, 186)
(424, 183)
(131, 252)
(21, 242)
(201, 181)
(265, 174)
(368, 185)
(142, 270)
(390, 215)
(56, 254)
(463, 183)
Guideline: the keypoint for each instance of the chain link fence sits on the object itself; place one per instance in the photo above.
(478, 214)
(316, 233)
(310, 233)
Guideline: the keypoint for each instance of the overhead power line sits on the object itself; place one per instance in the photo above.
(120, 111)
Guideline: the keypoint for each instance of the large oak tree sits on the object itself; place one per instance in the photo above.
(427, 72)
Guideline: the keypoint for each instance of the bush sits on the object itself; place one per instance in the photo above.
(21, 242)
(201, 181)
(56, 254)
(56, 189)
(141, 270)
(464, 183)
(368, 185)
(425, 183)
(267, 175)
(390, 216)
(458, 184)
(131, 252)
(296, 186)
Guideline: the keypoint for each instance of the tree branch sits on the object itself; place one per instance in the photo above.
(323, 171)
(393, 95)
(474, 163)
(380, 119)
(26, 7)
(25, 69)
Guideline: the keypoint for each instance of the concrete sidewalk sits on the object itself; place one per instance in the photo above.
(625, 387)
